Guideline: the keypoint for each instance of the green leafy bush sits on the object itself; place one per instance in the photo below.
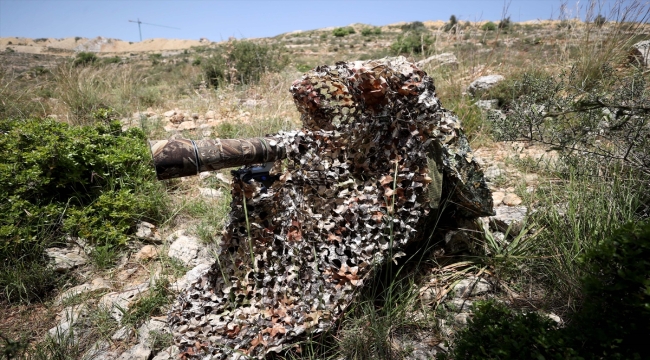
(489, 26)
(412, 42)
(57, 179)
(371, 31)
(496, 332)
(613, 322)
(85, 58)
(451, 25)
(343, 31)
(243, 62)
(616, 309)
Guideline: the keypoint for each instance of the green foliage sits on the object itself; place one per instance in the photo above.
(413, 42)
(573, 114)
(505, 23)
(112, 60)
(243, 62)
(451, 25)
(149, 305)
(496, 332)
(371, 31)
(343, 31)
(303, 67)
(85, 58)
(600, 20)
(94, 182)
(616, 306)
(489, 26)
(615, 313)
(196, 62)
(413, 26)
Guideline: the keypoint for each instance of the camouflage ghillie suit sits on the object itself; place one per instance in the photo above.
(363, 179)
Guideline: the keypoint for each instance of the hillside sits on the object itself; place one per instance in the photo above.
(102, 258)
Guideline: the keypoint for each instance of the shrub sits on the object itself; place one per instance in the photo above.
(371, 31)
(413, 26)
(243, 62)
(57, 179)
(496, 332)
(489, 26)
(615, 312)
(575, 114)
(77, 38)
(451, 25)
(343, 31)
(84, 58)
(505, 23)
(617, 297)
(112, 60)
(600, 20)
(412, 42)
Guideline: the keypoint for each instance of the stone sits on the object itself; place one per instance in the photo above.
(98, 284)
(119, 301)
(170, 353)
(122, 333)
(99, 350)
(170, 128)
(187, 249)
(459, 305)
(497, 197)
(210, 114)
(640, 53)
(210, 193)
(169, 113)
(195, 116)
(447, 59)
(253, 103)
(205, 174)
(187, 125)
(137, 352)
(462, 318)
(493, 172)
(68, 317)
(190, 277)
(511, 199)
(483, 83)
(472, 287)
(66, 259)
(509, 219)
(177, 118)
(223, 178)
(487, 104)
(210, 124)
(157, 324)
(148, 232)
(146, 253)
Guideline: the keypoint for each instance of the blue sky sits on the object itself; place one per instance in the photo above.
(220, 19)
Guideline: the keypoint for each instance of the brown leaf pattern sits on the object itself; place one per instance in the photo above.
(357, 173)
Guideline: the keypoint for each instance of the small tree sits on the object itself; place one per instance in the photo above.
(489, 26)
(600, 20)
(85, 58)
(451, 25)
(505, 24)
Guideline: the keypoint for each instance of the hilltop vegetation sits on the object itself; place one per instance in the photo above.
(76, 169)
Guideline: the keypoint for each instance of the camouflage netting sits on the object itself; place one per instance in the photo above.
(361, 181)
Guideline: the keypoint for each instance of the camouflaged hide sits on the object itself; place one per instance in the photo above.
(361, 181)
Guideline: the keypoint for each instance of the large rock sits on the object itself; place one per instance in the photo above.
(187, 249)
(483, 83)
(68, 318)
(137, 352)
(190, 277)
(64, 259)
(98, 284)
(145, 332)
(170, 353)
(148, 232)
(641, 53)
(509, 218)
(119, 302)
(472, 287)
